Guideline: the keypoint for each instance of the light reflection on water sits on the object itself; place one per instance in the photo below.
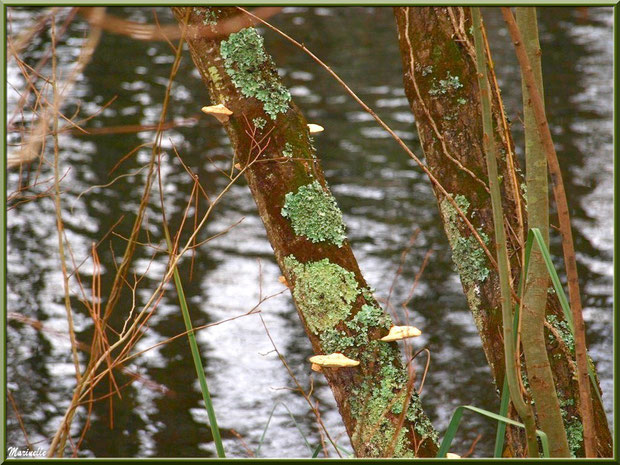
(384, 197)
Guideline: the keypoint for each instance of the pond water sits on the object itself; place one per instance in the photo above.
(385, 199)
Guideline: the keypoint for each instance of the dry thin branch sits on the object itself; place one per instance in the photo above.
(168, 32)
(58, 208)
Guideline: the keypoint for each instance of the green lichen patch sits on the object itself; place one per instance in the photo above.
(563, 330)
(216, 79)
(208, 16)
(369, 317)
(371, 400)
(314, 214)
(467, 255)
(324, 292)
(253, 72)
(259, 123)
(574, 434)
(423, 425)
(444, 86)
(572, 424)
(368, 293)
(288, 150)
(524, 193)
(333, 340)
(310, 141)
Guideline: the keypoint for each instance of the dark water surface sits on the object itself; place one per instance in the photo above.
(383, 195)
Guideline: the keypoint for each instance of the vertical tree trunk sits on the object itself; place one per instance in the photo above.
(537, 281)
(441, 85)
(271, 143)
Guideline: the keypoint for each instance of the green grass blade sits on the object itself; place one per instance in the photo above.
(555, 280)
(453, 426)
(559, 290)
(206, 397)
(193, 345)
(262, 439)
(456, 420)
(501, 426)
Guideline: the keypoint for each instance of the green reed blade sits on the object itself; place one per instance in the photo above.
(206, 397)
(262, 438)
(456, 420)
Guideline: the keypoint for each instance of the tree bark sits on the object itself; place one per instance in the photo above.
(272, 145)
(441, 85)
(537, 280)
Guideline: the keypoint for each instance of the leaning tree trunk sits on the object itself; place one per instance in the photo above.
(440, 83)
(272, 145)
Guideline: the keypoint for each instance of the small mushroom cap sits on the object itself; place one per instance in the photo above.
(314, 128)
(283, 280)
(219, 111)
(238, 166)
(401, 332)
(450, 455)
(335, 360)
(316, 368)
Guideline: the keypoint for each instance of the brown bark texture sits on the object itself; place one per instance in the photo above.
(441, 85)
(271, 142)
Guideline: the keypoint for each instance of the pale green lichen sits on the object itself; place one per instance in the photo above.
(572, 424)
(314, 214)
(368, 293)
(524, 193)
(473, 299)
(423, 425)
(469, 258)
(253, 72)
(216, 79)
(209, 16)
(368, 317)
(574, 434)
(324, 292)
(259, 122)
(451, 116)
(563, 330)
(311, 145)
(444, 86)
(333, 340)
(288, 150)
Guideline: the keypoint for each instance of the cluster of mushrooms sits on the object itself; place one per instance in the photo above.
(338, 360)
